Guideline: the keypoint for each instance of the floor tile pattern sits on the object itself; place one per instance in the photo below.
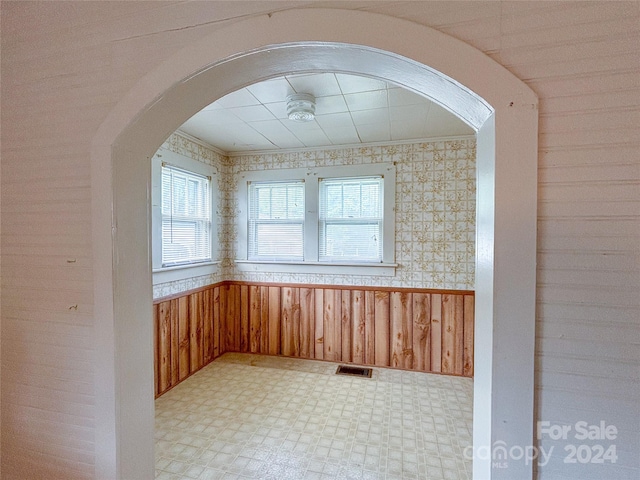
(259, 417)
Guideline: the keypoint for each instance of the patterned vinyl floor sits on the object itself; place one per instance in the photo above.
(259, 417)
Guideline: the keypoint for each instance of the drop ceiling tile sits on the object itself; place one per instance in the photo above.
(252, 113)
(409, 113)
(331, 104)
(219, 123)
(239, 98)
(375, 132)
(213, 106)
(407, 130)
(213, 117)
(342, 136)
(356, 83)
(318, 85)
(442, 123)
(203, 132)
(335, 120)
(315, 139)
(278, 109)
(309, 133)
(277, 133)
(399, 97)
(367, 117)
(249, 139)
(271, 91)
(221, 136)
(301, 127)
(366, 100)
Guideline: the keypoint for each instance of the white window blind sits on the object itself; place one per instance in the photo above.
(276, 221)
(186, 217)
(351, 219)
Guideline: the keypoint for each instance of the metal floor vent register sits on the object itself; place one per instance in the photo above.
(354, 371)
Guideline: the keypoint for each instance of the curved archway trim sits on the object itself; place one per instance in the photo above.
(501, 108)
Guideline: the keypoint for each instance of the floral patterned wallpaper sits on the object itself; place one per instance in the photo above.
(435, 211)
(184, 146)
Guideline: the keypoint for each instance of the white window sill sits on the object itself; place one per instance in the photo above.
(181, 272)
(337, 268)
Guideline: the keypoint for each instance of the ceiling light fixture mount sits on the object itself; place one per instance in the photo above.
(301, 107)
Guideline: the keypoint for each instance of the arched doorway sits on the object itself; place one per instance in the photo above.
(500, 107)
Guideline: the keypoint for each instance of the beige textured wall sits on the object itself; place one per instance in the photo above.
(66, 64)
(435, 211)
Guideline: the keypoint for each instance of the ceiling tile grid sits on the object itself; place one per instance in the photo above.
(350, 110)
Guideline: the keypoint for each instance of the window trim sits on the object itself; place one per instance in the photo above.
(325, 221)
(181, 271)
(311, 177)
(251, 196)
(205, 220)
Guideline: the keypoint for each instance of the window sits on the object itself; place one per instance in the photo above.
(186, 217)
(321, 217)
(184, 220)
(351, 219)
(276, 221)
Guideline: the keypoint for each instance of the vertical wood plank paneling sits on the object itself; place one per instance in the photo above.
(255, 315)
(286, 322)
(407, 329)
(237, 318)
(382, 328)
(175, 341)
(436, 332)
(307, 323)
(274, 321)
(345, 320)
(370, 327)
(395, 339)
(331, 325)
(422, 331)
(468, 326)
(156, 350)
(207, 326)
(319, 327)
(458, 329)
(358, 326)
(224, 314)
(295, 311)
(401, 339)
(264, 320)
(183, 332)
(163, 355)
(195, 332)
(401, 329)
(244, 318)
(216, 322)
(449, 336)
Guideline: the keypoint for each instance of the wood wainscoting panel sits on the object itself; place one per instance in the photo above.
(411, 329)
(382, 329)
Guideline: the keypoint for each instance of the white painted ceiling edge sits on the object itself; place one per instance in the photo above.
(499, 106)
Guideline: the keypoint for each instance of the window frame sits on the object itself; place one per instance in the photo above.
(180, 271)
(311, 263)
(325, 221)
(256, 221)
